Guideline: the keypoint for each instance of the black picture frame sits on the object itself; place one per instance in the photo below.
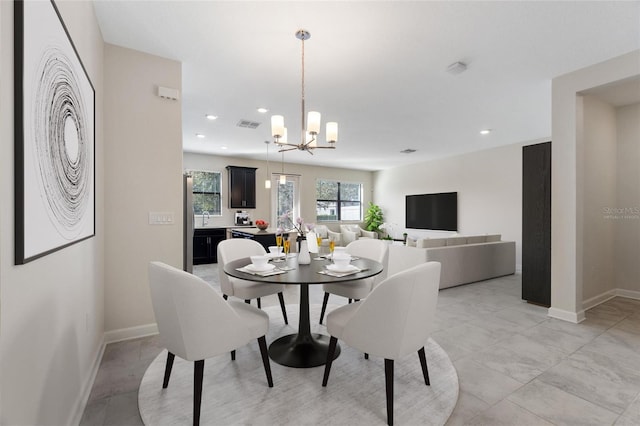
(54, 135)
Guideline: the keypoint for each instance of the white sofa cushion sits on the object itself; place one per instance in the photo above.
(477, 239)
(368, 234)
(431, 242)
(352, 228)
(456, 241)
(411, 242)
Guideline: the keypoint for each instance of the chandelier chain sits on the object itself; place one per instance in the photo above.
(303, 135)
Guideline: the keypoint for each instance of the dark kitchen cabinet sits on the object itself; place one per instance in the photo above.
(205, 245)
(536, 223)
(265, 238)
(242, 187)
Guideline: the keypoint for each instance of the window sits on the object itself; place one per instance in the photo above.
(285, 198)
(338, 200)
(206, 193)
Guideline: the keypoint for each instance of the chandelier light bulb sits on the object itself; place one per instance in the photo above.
(277, 126)
(332, 132)
(313, 122)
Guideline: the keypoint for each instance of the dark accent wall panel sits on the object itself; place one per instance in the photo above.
(536, 223)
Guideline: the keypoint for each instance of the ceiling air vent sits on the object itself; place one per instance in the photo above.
(248, 124)
(408, 151)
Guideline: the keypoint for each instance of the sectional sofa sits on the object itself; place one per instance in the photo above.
(464, 259)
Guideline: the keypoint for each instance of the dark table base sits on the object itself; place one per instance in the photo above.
(300, 351)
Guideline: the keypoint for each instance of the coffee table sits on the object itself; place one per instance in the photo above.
(303, 349)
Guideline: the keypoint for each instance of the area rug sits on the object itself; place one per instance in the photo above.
(236, 392)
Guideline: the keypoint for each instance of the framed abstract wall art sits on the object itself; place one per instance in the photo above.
(54, 135)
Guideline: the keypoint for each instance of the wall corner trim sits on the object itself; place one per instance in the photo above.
(81, 402)
(574, 317)
(130, 333)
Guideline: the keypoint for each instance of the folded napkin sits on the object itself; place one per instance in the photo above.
(328, 257)
(262, 273)
(340, 274)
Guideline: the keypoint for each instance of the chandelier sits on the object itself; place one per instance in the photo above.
(310, 126)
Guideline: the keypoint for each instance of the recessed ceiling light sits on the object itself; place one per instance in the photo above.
(485, 131)
(262, 110)
(199, 135)
(211, 117)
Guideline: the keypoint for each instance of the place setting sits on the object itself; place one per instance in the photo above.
(340, 265)
(276, 253)
(260, 266)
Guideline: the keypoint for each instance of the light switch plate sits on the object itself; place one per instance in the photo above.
(161, 218)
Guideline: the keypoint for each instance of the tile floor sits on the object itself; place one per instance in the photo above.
(515, 365)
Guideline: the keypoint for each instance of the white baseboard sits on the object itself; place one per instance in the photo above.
(601, 298)
(592, 302)
(130, 333)
(108, 337)
(81, 402)
(631, 294)
(574, 317)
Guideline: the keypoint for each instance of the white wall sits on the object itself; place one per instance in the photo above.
(567, 179)
(600, 177)
(309, 175)
(489, 186)
(627, 223)
(52, 308)
(143, 159)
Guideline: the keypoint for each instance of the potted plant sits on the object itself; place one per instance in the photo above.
(373, 218)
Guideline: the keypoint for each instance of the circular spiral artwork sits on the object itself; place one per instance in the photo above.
(62, 142)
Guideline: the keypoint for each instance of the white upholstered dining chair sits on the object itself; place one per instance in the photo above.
(393, 321)
(368, 248)
(238, 248)
(195, 323)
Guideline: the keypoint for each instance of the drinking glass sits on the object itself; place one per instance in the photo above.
(319, 241)
(287, 245)
(332, 245)
(279, 241)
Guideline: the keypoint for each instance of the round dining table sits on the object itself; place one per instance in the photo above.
(303, 349)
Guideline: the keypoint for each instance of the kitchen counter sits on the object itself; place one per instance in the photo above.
(255, 231)
(266, 238)
(213, 226)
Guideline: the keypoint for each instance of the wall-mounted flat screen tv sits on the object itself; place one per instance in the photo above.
(432, 211)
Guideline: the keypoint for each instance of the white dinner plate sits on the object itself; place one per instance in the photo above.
(253, 268)
(347, 268)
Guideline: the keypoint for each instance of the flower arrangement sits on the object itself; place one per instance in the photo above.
(286, 222)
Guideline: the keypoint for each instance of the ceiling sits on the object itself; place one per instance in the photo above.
(377, 68)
